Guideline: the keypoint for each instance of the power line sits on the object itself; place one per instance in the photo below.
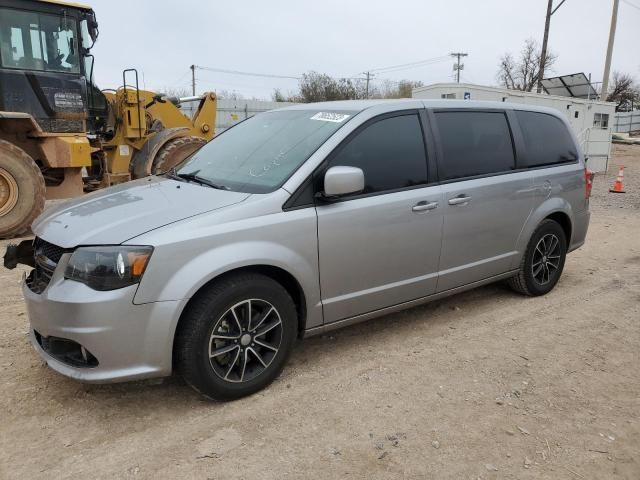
(406, 66)
(389, 69)
(631, 4)
(249, 74)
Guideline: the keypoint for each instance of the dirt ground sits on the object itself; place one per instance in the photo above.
(486, 384)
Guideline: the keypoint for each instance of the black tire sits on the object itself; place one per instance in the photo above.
(175, 151)
(22, 190)
(209, 310)
(532, 281)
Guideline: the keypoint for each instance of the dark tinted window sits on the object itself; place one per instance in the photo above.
(474, 143)
(390, 152)
(546, 139)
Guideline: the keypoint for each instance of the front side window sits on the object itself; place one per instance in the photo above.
(390, 152)
(261, 153)
(546, 139)
(474, 143)
(33, 41)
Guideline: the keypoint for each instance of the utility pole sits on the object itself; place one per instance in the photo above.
(607, 62)
(545, 39)
(369, 77)
(458, 66)
(193, 80)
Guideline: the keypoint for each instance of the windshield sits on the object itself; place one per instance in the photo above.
(34, 41)
(261, 153)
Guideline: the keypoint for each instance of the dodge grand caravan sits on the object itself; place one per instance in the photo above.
(296, 222)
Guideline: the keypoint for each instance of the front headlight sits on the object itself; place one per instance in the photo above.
(108, 268)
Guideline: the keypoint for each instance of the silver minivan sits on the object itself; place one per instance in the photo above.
(295, 222)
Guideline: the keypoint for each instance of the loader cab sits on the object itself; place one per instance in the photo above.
(46, 69)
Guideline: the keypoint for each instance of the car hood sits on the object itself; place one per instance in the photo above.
(116, 214)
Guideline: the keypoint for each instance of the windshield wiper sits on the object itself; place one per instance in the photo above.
(193, 177)
(171, 173)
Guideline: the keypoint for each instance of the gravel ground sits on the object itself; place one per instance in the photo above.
(486, 384)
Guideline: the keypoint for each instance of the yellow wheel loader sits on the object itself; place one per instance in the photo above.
(60, 134)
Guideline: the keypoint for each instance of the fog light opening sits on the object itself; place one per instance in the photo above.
(67, 351)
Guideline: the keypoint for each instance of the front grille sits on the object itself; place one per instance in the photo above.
(49, 250)
(61, 125)
(47, 256)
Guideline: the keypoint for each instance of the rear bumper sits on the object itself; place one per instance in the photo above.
(580, 228)
(129, 341)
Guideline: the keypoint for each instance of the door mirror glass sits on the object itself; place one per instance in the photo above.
(339, 181)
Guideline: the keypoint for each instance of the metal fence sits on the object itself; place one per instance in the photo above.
(231, 112)
(625, 122)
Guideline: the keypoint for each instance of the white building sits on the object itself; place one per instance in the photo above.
(591, 120)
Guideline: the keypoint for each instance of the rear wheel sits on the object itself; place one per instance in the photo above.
(22, 190)
(175, 151)
(236, 336)
(543, 260)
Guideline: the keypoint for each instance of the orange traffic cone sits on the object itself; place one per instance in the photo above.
(617, 186)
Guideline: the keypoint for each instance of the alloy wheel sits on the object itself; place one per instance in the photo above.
(245, 340)
(546, 259)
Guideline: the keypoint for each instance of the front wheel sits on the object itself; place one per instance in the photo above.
(175, 151)
(236, 336)
(543, 260)
(22, 190)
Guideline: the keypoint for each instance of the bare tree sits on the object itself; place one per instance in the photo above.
(227, 95)
(522, 73)
(623, 92)
(176, 92)
(278, 96)
(320, 87)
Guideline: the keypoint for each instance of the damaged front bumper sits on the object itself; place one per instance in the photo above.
(22, 253)
(92, 336)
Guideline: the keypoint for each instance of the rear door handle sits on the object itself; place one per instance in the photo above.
(424, 206)
(460, 200)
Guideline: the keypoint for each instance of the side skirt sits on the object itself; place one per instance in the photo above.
(403, 306)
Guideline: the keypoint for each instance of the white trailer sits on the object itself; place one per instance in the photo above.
(590, 119)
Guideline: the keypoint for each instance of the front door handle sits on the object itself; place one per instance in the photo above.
(460, 200)
(424, 206)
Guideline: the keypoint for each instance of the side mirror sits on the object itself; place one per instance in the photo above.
(339, 181)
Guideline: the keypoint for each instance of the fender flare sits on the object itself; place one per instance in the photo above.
(19, 122)
(142, 160)
(547, 208)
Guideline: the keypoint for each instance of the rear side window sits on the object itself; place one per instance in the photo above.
(474, 143)
(546, 139)
(390, 152)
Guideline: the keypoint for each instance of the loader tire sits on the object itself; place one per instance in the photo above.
(22, 191)
(175, 151)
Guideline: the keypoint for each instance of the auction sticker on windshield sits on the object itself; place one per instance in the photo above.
(330, 117)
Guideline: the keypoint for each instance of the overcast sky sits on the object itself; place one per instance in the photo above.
(346, 37)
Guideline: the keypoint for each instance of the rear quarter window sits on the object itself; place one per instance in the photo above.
(547, 140)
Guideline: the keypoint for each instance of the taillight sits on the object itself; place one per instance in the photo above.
(588, 182)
